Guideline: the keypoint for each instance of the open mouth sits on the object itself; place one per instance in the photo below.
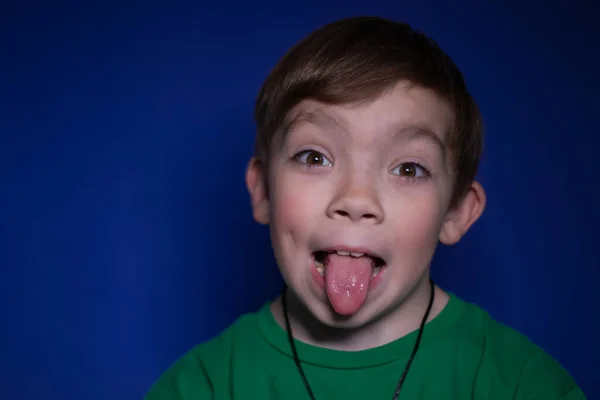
(322, 256)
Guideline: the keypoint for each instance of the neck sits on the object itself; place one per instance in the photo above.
(403, 319)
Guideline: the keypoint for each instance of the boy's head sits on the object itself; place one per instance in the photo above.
(368, 142)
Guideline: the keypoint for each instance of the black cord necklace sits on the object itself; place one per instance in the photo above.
(406, 368)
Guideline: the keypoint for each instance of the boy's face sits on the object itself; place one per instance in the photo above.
(374, 178)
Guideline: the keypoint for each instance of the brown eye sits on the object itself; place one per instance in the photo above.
(313, 158)
(410, 170)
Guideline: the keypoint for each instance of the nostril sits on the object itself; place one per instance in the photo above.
(346, 214)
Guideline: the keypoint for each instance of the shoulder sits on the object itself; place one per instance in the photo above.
(525, 368)
(206, 366)
(542, 377)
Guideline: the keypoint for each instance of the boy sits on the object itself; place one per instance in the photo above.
(367, 150)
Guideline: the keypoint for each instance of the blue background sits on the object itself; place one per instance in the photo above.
(125, 228)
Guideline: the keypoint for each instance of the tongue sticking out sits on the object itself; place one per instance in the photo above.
(347, 282)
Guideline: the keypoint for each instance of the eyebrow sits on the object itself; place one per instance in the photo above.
(326, 120)
(316, 117)
(423, 133)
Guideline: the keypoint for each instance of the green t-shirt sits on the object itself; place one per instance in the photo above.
(463, 354)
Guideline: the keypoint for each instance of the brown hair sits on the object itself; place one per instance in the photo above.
(357, 59)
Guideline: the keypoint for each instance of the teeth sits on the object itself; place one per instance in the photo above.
(375, 272)
(349, 253)
(321, 270)
(320, 267)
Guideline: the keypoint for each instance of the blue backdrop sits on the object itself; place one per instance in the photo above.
(125, 228)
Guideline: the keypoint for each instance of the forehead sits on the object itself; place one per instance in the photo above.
(404, 107)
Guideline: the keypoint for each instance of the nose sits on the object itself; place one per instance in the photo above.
(356, 201)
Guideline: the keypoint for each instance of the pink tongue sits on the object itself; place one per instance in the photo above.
(347, 282)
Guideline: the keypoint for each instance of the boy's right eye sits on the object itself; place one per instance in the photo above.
(313, 158)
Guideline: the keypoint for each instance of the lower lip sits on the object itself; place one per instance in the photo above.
(320, 280)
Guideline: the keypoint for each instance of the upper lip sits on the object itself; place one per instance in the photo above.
(365, 250)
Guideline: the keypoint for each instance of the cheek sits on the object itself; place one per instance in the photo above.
(287, 211)
(294, 207)
(294, 204)
(420, 223)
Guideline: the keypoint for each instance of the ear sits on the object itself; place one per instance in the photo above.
(459, 219)
(257, 187)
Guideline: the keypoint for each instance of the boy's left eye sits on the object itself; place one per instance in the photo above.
(313, 158)
(410, 170)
